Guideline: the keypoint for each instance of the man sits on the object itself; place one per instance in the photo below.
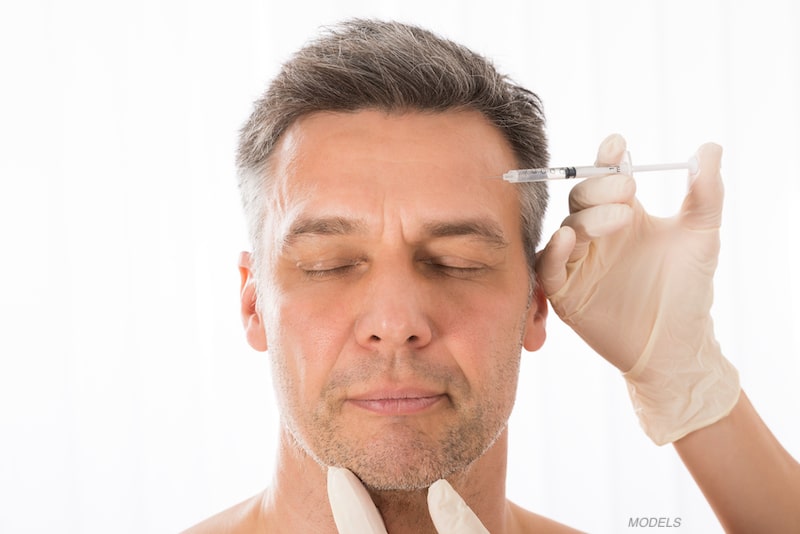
(394, 283)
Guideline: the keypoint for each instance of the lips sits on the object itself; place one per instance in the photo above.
(394, 403)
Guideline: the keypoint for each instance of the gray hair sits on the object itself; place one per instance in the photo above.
(366, 64)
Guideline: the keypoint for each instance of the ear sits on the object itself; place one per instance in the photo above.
(251, 317)
(535, 333)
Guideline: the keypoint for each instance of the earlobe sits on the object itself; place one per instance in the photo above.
(251, 316)
(535, 332)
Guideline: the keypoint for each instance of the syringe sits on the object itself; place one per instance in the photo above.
(566, 173)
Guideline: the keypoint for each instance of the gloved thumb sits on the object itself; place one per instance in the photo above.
(353, 509)
(450, 513)
(702, 207)
(612, 150)
(551, 263)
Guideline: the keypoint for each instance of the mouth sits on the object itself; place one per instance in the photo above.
(398, 403)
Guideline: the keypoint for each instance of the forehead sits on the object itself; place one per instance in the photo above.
(369, 163)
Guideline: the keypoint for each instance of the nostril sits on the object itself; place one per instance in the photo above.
(411, 339)
(390, 329)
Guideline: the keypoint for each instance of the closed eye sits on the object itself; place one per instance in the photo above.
(325, 270)
(455, 267)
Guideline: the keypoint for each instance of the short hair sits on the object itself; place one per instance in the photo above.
(393, 67)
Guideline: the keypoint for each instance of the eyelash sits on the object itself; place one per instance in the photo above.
(439, 268)
(332, 272)
(457, 272)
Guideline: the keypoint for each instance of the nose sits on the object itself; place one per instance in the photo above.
(394, 314)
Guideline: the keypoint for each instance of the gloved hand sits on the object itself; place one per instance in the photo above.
(355, 513)
(638, 289)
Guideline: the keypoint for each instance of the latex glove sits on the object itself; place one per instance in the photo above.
(638, 289)
(355, 513)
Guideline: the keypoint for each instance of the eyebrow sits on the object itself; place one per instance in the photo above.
(480, 228)
(323, 226)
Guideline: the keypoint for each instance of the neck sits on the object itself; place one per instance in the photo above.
(298, 499)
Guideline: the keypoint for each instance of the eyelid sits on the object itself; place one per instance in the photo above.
(454, 262)
(460, 269)
(336, 266)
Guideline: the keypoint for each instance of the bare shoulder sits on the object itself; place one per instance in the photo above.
(242, 518)
(525, 522)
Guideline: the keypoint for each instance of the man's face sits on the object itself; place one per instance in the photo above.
(395, 292)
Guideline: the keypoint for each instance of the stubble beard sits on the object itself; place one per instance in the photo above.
(400, 456)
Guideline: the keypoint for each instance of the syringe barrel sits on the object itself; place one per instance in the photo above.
(586, 172)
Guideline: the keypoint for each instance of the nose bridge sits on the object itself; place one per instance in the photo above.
(394, 311)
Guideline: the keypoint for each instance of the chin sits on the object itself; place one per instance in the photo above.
(414, 465)
(410, 480)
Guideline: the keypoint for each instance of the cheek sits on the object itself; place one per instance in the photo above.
(485, 337)
(490, 359)
(306, 336)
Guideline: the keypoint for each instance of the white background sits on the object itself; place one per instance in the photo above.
(129, 400)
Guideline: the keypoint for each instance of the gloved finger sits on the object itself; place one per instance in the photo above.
(353, 509)
(611, 189)
(551, 262)
(450, 513)
(702, 207)
(595, 222)
(611, 151)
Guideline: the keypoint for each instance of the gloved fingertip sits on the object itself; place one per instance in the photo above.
(702, 206)
(352, 507)
(611, 151)
(449, 512)
(564, 237)
(438, 491)
(337, 475)
(551, 262)
(707, 159)
(559, 246)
